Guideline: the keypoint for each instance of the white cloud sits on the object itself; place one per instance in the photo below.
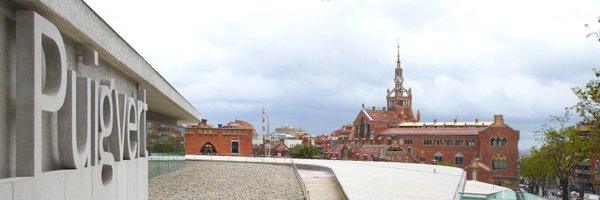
(312, 63)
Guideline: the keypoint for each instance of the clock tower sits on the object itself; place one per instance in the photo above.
(399, 99)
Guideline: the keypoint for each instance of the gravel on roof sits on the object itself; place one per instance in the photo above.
(226, 180)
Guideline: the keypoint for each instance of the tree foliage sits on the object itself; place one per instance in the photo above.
(562, 149)
(537, 169)
(305, 151)
(588, 105)
(444, 163)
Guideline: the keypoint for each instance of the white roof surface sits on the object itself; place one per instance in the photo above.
(476, 187)
(379, 180)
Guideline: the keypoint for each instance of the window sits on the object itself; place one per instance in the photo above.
(268, 149)
(408, 141)
(439, 157)
(427, 142)
(235, 147)
(499, 162)
(498, 141)
(503, 142)
(470, 142)
(422, 159)
(458, 160)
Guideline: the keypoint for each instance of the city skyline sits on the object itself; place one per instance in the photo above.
(312, 64)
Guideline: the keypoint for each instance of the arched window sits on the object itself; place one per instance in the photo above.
(362, 128)
(439, 157)
(499, 162)
(422, 159)
(493, 142)
(208, 149)
(458, 159)
(497, 142)
(503, 142)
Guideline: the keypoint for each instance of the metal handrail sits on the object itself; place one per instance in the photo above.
(305, 192)
(461, 185)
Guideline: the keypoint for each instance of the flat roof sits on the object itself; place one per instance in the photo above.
(378, 180)
(432, 131)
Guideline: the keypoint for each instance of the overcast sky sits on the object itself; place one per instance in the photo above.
(312, 63)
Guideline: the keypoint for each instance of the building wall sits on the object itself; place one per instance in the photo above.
(7, 89)
(509, 176)
(448, 151)
(221, 140)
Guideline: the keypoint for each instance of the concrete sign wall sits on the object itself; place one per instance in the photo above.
(76, 137)
(73, 103)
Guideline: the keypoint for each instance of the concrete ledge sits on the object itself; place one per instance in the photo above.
(326, 169)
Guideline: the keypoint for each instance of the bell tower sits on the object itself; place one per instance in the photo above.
(399, 99)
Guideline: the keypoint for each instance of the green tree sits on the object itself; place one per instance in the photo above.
(563, 149)
(443, 163)
(588, 105)
(305, 151)
(537, 169)
(588, 108)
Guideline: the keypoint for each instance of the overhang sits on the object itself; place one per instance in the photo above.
(79, 22)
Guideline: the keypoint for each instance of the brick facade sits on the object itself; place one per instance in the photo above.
(222, 141)
(487, 151)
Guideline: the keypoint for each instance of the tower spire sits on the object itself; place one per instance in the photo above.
(398, 58)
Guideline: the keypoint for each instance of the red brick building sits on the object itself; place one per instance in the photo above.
(487, 151)
(231, 139)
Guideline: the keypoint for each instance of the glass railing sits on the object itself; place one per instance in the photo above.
(166, 147)
(504, 195)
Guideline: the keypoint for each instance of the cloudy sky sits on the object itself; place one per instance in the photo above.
(312, 63)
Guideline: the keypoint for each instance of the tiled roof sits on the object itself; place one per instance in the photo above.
(382, 116)
(403, 115)
(369, 150)
(432, 131)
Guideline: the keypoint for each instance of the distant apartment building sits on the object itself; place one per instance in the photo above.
(585, 176)
(487, 151)
(323, 142)
(231, 139)
(290, 130)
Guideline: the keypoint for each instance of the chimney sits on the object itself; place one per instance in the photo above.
(373, 108)
(434, 121)
(498, 119)
(220, 125)
(476, 120)
(455, 120)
